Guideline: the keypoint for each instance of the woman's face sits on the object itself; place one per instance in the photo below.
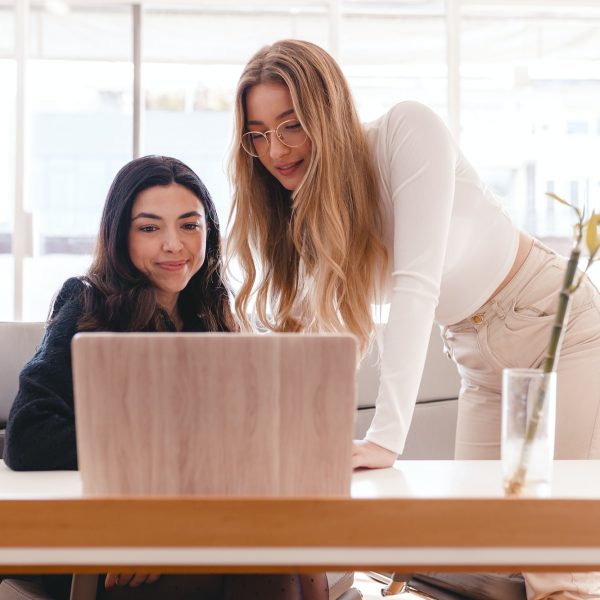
(167, 238)
(267, 106)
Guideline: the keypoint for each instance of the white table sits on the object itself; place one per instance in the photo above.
(418, 515)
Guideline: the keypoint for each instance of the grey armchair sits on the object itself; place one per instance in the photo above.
(29, 588)
(18, 342)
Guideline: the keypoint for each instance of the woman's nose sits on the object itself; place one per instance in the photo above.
(277, 148)
(172, 243)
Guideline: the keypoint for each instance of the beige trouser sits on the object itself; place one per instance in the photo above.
(513, 330)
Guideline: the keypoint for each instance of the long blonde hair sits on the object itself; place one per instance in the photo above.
(317, 252)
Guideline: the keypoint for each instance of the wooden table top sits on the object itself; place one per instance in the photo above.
(417, 515)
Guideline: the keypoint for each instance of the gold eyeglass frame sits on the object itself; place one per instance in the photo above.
(276, 132)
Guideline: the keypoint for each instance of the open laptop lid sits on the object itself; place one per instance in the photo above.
(214, 414)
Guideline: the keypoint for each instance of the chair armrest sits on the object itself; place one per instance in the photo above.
(83, 586)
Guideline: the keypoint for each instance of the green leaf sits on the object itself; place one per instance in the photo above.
(591, 234)
(580, 216)
(559, 199)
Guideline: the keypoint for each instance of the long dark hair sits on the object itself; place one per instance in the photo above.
(117, 296)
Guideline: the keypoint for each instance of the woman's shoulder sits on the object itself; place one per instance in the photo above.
(411, 114)
(408, 125)
(71, 292)
(66, 310)
(68, 304)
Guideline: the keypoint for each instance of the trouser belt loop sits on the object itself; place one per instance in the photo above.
(499, 310)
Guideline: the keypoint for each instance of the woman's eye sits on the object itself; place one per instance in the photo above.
(148, 228)
(191, 226)
(255, 135)
(293, 125)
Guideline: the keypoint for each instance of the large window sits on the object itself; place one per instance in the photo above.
(80, 122)
(521, 78)
(396, 55)
(190, 78)
(531, 91)
(7, 158)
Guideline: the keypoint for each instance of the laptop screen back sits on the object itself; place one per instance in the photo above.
(214, 414)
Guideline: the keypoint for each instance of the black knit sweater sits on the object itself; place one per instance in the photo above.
(40, 433)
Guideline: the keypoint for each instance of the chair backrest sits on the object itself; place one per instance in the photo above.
(18, 343)
(440, 379)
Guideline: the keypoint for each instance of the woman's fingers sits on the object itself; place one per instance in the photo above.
(137, 580)
(370, 455)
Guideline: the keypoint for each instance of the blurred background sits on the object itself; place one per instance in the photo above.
(86, 85)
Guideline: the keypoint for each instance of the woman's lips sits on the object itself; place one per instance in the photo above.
(289, 168)
(174, 265)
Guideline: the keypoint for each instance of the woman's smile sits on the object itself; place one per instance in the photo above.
(172, 265)
(289, 168)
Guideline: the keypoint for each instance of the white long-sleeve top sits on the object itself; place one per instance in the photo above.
(450, 246)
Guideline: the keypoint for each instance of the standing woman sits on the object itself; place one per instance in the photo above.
(331, 217)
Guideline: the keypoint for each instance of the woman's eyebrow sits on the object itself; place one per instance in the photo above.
(192, 213)
(145, 215)
(285, 113)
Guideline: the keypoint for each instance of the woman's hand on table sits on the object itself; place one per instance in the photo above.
(129, 579)
(371, 456)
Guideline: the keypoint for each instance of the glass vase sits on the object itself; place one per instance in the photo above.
(528, 425)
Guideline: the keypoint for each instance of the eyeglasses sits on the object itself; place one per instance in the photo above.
(289, 133)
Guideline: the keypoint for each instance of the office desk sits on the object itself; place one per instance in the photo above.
(418, 515)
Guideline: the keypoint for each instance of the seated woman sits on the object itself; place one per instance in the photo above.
(157, 267)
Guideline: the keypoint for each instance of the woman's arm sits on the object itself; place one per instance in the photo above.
(418, 170)
(40, 433)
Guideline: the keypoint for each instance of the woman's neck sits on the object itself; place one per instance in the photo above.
(176, 319)
(169, 305)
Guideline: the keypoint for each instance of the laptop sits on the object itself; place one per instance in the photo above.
(214, 414)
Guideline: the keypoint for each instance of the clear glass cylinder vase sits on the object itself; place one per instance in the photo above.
(528, 426)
